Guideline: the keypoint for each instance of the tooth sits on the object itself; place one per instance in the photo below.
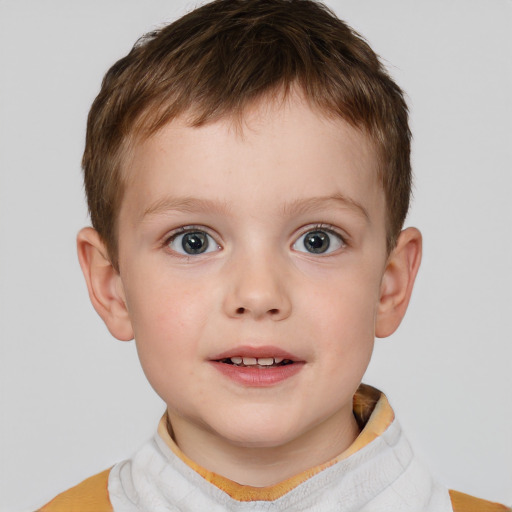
(236, 360)
(249, 360)
(278, 360)
(265, 361)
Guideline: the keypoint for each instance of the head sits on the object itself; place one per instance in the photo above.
(216, 61)
(247, 171)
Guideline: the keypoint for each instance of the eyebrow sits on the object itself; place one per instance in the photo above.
(185, 204)
(297, 207)
(312, 204)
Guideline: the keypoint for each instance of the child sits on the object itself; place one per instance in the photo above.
(247, 172)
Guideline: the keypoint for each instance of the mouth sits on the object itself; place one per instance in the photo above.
(256, 362)
(257, 366)
(262, 357)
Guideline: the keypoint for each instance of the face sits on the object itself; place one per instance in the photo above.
(251, 264)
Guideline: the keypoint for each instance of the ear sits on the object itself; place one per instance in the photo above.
(397, 282)
(104, 284)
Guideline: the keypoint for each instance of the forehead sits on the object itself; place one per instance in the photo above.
(280, 150)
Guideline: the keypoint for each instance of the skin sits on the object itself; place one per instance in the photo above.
(255, 192)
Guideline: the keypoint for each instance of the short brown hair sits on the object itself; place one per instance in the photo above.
(217, 59)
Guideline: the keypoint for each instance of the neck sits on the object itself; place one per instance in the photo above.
(263, 466)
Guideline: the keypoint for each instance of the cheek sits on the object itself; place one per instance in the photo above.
(169, 317)
(347, 301)
(342, 312)
(165, 302)
(169, 326)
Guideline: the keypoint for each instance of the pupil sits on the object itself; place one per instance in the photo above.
(317, 241)
(194, 243)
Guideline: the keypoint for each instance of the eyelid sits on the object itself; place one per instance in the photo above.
(189, 228)
(329, 228)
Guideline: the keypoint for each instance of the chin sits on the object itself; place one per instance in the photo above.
(263, 432)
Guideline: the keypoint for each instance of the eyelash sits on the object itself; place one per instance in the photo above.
(329, 228)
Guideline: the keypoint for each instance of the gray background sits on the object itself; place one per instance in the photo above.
(74, 401)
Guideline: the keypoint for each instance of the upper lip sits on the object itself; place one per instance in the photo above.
(266, 351)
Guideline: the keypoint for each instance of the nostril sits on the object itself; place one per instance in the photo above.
(241, 311)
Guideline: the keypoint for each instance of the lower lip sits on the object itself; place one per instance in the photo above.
(258, 377)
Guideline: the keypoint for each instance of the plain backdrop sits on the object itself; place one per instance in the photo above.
(74, 401)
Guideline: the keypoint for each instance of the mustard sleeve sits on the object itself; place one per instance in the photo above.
(90, 495)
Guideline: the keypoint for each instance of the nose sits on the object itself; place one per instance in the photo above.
(257, 289)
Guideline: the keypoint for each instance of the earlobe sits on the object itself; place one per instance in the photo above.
(104, 284)
(398, 281)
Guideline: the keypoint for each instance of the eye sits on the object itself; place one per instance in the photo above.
(192, 242)
(319, 241)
